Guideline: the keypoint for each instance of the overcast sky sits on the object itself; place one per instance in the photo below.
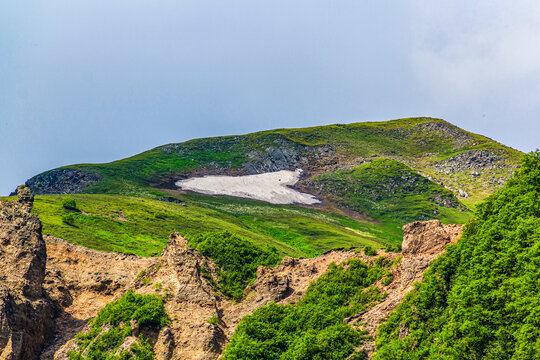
(95, 81)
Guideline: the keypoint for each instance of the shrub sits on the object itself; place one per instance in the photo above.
(369, 251)
(237, 258)
(69, 204)
(479, 300)
(314, 328)
(214, 320)
(96, 344)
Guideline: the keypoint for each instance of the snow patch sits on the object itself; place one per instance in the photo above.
(271, 187)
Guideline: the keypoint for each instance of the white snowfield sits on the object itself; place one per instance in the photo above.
(272, 187)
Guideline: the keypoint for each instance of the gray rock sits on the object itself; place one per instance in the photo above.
(63, 181)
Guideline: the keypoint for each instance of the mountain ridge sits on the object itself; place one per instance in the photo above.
(314, 149)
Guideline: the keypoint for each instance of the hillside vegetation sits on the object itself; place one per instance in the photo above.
(314, 328)
(141, 226)
(390, 191)
(108, 331)
(431, 146)
(480, 299)
(372, 178)
(237, 259)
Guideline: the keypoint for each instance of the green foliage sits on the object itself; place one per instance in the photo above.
(69, 204)
(480, 299)
(112, 325)
(237, 258)
(68, 219)
(314, 328)
(369, 251)
(147, 310)
(214, 320)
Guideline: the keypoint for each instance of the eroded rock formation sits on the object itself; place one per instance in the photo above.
(26, 313)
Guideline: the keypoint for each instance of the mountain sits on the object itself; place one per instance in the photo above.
(461, 160)
(127, 265)
(369, 179)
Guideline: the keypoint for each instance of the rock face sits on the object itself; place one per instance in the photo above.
(81, 282)
(26, 313)
(427, 238)
(63, 181)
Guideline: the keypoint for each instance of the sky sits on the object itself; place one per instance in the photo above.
(95, 81)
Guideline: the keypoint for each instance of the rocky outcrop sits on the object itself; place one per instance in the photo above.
(203, 321)
(26, 313)
(81, 282)
(423, 241)
(284, 154)
(63, 181)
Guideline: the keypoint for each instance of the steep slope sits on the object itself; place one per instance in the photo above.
(479, 300)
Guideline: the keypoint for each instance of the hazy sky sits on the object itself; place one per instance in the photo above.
(95, 81)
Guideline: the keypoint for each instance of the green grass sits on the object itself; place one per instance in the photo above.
(391, 193)
(416, 141)
(141, 226)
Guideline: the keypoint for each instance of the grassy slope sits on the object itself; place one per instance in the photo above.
(391, 193)
(293, 230)
(416, 141)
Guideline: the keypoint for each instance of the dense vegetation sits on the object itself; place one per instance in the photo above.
(237, 258)
(390, 191)
(141, 226)
(480, 299)
(113, 324)
(314, 328)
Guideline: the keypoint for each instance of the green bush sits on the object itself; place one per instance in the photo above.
(480, 299)
(313, 329)
(69, 204)
(214, 320)
(96, 344)
(369, 251)
(237, 258)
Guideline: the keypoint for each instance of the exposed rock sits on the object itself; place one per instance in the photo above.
(202, 320)
(427, 238)
(26, 314)
(63, 181)
(82, 281)
(449, 131)
(171, 200)
(473, 162)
